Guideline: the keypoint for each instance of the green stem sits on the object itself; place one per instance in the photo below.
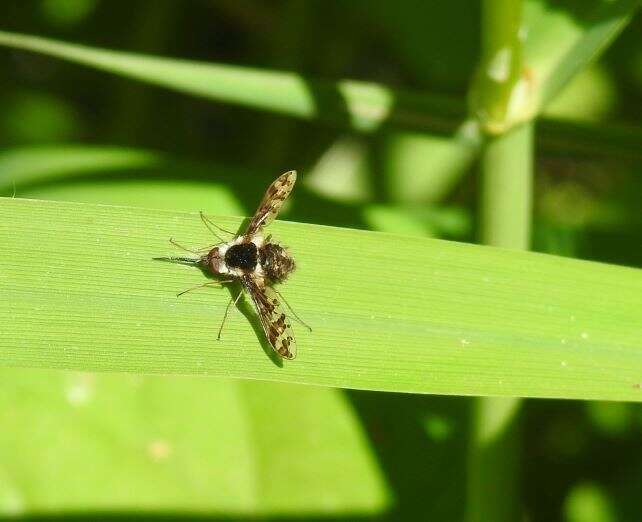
(507, 172)
(505, 214)
(506, 166)
(493, 464)
(499, 94)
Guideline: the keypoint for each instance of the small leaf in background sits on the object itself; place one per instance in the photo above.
(341, 173)
(66, 13)
(424, 169)
(589, 96)
(38, 118)
(610, 418)
(438, 428)
(589, 502)
(563, 37)
(118, 176)
(36, 165)
(396, 220)
(427, 221)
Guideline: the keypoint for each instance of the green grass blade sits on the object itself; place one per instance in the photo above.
(359, 105)
(356, 105)
(81, 291)
(28, 165)
(564, 37)
(120, 176)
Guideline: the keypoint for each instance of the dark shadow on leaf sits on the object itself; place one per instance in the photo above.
(420, 442)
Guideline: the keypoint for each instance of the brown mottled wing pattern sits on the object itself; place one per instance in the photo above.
(273, 319)
(274, 197)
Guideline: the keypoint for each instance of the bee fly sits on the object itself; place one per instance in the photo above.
(257, 263)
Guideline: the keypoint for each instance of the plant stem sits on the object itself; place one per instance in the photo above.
(506, 166)
(493, 465)
(507, 172)
(497, 82)
(505, 215)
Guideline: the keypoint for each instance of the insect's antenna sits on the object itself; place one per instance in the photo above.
(171, 240)
(227, 310)
(209, 224)
(291, 310)
(13, 181)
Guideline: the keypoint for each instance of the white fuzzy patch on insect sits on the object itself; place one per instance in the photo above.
(236, 272)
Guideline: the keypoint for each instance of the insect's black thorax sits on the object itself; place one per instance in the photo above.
(276, 262)
(243, 256)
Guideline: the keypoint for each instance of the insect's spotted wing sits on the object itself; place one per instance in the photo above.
(273, 319)
(274, 197)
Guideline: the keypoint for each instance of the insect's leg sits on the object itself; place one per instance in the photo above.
(171, 240)
(209, 224)
(209, 283)
(227, 310)
(291, 310)
(192, 250)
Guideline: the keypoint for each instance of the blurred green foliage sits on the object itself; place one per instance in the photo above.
(82, 445)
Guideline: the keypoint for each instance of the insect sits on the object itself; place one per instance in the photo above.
(257, 263)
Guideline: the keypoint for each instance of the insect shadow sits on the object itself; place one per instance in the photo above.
(250, 314)
(242, 305)
(247, 310)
